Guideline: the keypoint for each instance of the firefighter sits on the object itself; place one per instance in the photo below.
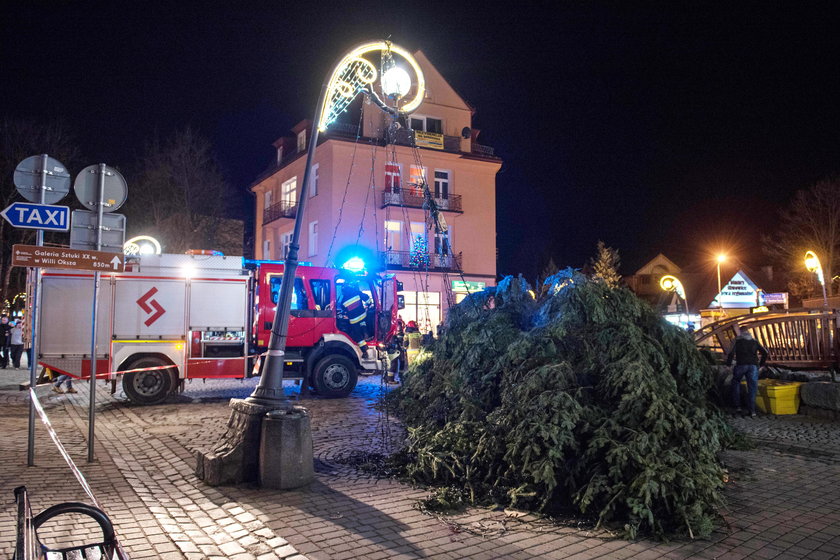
(354, 306)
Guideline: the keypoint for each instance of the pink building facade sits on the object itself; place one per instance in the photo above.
(366, 197)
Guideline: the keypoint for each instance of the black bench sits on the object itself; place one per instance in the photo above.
(29, 547)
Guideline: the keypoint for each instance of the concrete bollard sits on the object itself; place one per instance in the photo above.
(286, 449)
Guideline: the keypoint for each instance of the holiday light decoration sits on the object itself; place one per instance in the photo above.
(355, 73)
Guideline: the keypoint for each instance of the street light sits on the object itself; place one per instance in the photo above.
(721, 258)
(812, 263)
(672, 284)
(236, 457)
(352, 75)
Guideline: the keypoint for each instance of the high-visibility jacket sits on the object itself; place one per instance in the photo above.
(355, 304)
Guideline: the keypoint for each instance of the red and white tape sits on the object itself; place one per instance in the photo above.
(73, 468)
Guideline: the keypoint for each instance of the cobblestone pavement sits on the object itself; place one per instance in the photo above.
(782, 495)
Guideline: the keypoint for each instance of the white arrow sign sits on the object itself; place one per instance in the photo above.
(116, 263)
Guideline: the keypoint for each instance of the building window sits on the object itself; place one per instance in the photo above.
(418, 238)
(393, 235)
(288, 191)
(426, 124)
(313, 182)
(442, 244)
(423, 308)
(285, 241)
(266, 200)
(266, 249)
(417, 178)
(392, 177)
(313, 238)
(441, 184)
(301, 141)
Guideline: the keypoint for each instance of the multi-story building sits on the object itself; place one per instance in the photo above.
(366, 193)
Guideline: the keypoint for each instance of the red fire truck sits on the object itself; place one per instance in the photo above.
(207, 316)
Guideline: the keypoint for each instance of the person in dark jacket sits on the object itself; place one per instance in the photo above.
(5, 341)
(745, 352)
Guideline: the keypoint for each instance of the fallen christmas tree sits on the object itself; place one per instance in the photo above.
(583, 401)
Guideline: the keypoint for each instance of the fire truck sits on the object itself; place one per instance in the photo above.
(171, 318)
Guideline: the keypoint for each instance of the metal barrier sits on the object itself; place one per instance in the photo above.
(800, 338)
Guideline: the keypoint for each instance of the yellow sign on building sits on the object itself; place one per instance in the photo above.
(428, 140)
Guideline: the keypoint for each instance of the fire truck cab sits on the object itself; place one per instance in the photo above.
(172, 318)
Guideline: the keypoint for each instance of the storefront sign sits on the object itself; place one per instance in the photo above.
(428, 140)
(739, 293)
(779, 298)
(470, 287)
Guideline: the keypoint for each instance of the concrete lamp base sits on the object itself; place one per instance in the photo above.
(235, 458)
(286, 449)
(261, 444)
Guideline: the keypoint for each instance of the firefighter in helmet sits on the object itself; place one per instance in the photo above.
(354, 307)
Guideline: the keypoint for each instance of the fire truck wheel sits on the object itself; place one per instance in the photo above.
(147, 387)
(334, 376)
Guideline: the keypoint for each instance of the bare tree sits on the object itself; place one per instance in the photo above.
(810, 223)
(19, 139)
(179, 195)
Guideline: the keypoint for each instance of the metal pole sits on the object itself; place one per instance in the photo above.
(270, 389)
(720, 303)
(825, 296)
(33, 324)
(96, 276)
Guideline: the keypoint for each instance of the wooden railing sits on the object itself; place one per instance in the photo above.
(795, 338)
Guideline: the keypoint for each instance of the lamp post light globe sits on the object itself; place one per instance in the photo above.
(396, 82)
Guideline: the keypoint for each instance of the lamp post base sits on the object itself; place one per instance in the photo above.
(236, 456)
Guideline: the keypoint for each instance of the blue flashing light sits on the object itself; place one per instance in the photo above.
(354, 264)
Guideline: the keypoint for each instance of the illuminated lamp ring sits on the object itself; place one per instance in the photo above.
(356, 54)
(132, 247)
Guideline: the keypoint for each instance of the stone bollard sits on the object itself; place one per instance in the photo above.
(286, 449)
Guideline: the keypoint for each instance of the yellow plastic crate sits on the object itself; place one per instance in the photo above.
(777, 397)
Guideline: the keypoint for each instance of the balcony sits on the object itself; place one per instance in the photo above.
(433, 262)
(282, 209)
(413, 198)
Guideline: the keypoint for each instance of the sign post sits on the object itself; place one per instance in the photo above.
(98, 187)
(43, 180)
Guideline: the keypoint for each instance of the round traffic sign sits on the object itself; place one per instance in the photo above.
(27, 178)
(114, 189)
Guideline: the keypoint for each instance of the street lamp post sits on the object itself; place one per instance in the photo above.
(720, 260)
(812, 263)
(236, 457)
(671, 283)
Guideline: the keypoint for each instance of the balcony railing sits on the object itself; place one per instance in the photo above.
(486, 151)
(412, 261)
(282, 209)
(412, 197)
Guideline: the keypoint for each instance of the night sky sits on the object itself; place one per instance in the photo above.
(652, 128)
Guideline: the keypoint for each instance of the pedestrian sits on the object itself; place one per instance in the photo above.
(745, 352)
(61, 379)
(5, 340)
(17, 342)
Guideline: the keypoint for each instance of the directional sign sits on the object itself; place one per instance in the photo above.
(38, 216)
(60, 257)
